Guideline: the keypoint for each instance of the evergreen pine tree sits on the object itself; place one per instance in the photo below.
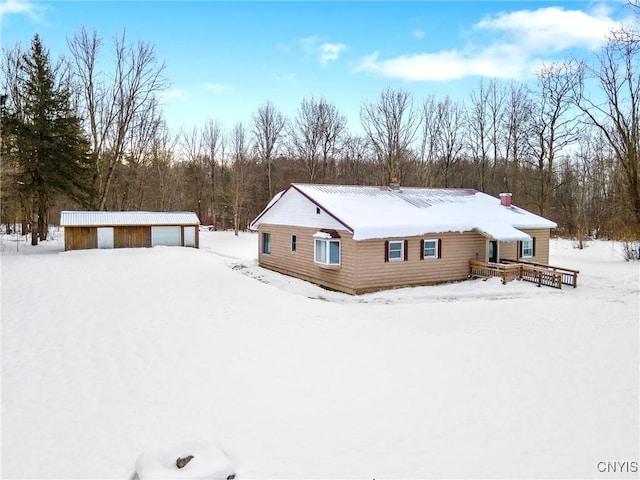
(46, 138)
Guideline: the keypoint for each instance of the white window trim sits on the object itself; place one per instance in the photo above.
(435, 250)
(326, 244)
(529, 255)
(401, 259)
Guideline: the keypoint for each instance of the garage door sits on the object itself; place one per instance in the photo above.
(165, 236)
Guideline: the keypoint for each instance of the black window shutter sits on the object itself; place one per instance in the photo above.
(519, 249)
(534, 247)
(386, 250)
(422, 249)
(406, 250)
(439, 248)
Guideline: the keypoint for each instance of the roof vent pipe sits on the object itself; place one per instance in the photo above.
(505, 199)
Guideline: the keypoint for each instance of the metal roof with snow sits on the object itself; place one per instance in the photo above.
(382, 212)
(97, 219)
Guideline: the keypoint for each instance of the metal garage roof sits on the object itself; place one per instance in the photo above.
(96, 219)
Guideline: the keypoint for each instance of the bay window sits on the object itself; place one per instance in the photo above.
(327, 251)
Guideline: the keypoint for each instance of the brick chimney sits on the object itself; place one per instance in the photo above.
(505, 199)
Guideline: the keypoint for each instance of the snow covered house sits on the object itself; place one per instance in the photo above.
(358, 239)
(85, 229)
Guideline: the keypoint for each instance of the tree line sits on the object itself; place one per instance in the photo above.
(79, 133)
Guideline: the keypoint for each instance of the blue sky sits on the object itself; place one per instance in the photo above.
(225, 59)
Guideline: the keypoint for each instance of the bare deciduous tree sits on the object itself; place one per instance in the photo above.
(116, 108)
(214, 142)
(442, 140)
(162, 183)
(496, 102)
(237, 188)
(478, 122)
(554, 125)
(352, 167)
(518, 111)
(332, 126)
(429, 142)
(391, 125)
(306, 136)
(618, 117)
(485, 124)
(13, 194)
(451, 141)
(268, 128)
(192, 148)
(84, 54)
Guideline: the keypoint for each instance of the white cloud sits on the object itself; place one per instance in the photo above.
(413, 68)
(216, 87)
(551, 28)
(325, 52)
(330, 52)
(417, 33)
(511, 45)
(21, 7)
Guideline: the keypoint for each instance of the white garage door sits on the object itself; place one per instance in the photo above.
(165, 236)
(105, 237)
(189, 236)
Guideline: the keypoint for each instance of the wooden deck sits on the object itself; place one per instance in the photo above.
(508, 270)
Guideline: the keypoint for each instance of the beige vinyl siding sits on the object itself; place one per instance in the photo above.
(362, 264)
(373, 273)
(301, 263)
(510, 250)
(542, 245)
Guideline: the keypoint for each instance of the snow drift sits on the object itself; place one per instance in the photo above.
(107, 354)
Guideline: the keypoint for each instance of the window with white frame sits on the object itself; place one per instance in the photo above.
(430, 249)
(266, 243)
(294, 243)
(327, 251)
(527, 248)
(396, 251)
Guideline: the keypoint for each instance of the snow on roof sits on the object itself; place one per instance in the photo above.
(381, 212)
(96, 219)
(502, 232)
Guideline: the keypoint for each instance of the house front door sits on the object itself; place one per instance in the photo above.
(493, 251)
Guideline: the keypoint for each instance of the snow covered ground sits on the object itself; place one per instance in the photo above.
(106, 354)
